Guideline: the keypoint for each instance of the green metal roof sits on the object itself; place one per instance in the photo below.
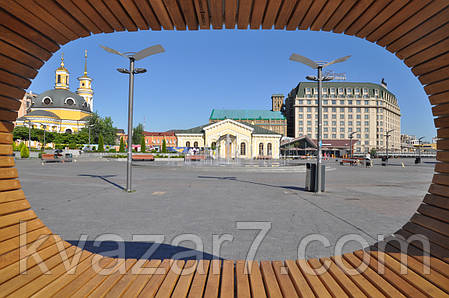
(246, 115)
(200, 129)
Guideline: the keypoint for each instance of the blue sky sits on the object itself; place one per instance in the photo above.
(225, 69)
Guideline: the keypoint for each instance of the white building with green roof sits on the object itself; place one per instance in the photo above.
(365, 111)
(274, 121)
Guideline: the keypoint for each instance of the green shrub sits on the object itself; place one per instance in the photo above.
(143, 148)
(21, 145)
(73, 146)
(122, 145)
(100, 144)
(14, 146)
(116, 156)
(164, 146)
(24, 153)
(112, 150)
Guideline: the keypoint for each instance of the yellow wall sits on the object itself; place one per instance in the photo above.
(69, 114)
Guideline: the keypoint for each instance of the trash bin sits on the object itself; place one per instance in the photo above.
(384, 161)
(418, 160)
(311, 177)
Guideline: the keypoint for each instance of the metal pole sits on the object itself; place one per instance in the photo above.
(89, 137)
(318, 158)
(350, 144)
(130, 124)
(44, 136)
(386, 151)
(29, 135)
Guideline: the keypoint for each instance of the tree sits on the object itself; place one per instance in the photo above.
(100, 126)
(100, 144)
(142, 145)
(137, 133)
(164, 146)
(122, 145)
(24, 152)
(373, 152)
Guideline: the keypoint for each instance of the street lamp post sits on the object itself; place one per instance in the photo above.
(350, 142)
(319, 66)
(45, 127)
(387, 136)
(133, 57)
(419, 148)
(29, 134)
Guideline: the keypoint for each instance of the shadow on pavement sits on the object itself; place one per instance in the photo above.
(142, 250)
(252, 182)
(104, 179)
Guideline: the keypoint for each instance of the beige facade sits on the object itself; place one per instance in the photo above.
(232, 139)
(365, 110)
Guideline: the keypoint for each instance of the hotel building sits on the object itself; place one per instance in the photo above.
(365, 110)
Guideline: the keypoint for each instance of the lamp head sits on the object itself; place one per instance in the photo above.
(123, 70)
(140, 70)
(312, 78)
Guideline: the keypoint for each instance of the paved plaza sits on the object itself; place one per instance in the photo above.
(232, 202)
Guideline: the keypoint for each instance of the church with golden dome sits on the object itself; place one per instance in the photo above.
(59, 109)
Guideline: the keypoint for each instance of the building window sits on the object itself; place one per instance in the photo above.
(59, 79)
(350, 123)
(342, 116)
(325, 116)
(309, 109)
(358, 110)
(325, 102)
(342, 123)
(342, 136)
(342, 102)
(332, 90)
(349, 102)
(242, 148)
(308, 90)
(269, 149)
(334, 136)
(195, 144)
(301, 116)
(350, 116)
(326, 129)
(367, 110)
(376, 92)
(309, 102)
(334, 102)
(367, 102)
(301, 109)
(47, 100)
(349, 91)
(341, 91)
(309, 116)
(326, 135)
(188, 144)
(365, 91)
(325, 123)
(366, 123)
(334, 123)
(260, 148)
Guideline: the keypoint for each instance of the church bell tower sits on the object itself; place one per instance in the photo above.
(85, 87)
(62, 76)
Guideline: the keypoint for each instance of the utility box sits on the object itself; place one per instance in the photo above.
(311, 183)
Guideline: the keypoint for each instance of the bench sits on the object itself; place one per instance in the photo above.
(142, 157)
(195, 157)
(48, 157)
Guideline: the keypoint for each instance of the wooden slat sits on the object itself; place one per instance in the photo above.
(155, 282)
(430, 223)
(441, 178)
(77, 284)
(352, 15)
(134, 13)
(244, 14)
(377, 280)
(395, 20)
(93, 16)
(338, 15)
(435, 212)
(342, 279)
(199, 280)
(436, 76)
(213, 279)
(269, 278)
(434, 250)
(243, 288)
(9, 185)
(227, 280)
(216, 12)
(298, 279)
(170, 280)
(443, 156)
(414, 56)
(20, 55)
(6, 161)
(63, 16)
(18, 69)
(46, 17)
(425, 271)
(442, 167)
(312, 14)
(325, 14)
(175, 14)
(437, 201)
(255, 280)
(439, 190)
(7, 173)
(185, 280)
(382, 17)
(121, 15)
(16, 242)
(6, 126)
(202, 12)
(32, 38)
(411, 277)
(283, 278)
(284, 13)
(49, 255)
(438, 87)
(419, 16)
(327, 279)
(108, 16)
(15, 206)
(32, 20)
(112, 279)
(13, 231)
(406, 41)
(443, 133)
(5, 114)
(434, 237)
(45, 279)
(16, 81)
(230, 13)
(364, 284)
(298, 14)
(315, 283)
(367, 16)
(188, 10)
(257, 13)
(141, 280)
